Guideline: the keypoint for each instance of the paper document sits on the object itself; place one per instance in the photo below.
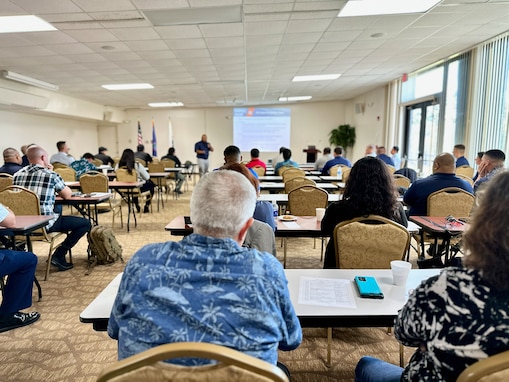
(326, 292)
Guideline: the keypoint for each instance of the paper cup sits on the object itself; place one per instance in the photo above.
(320, 212)
(400, 270)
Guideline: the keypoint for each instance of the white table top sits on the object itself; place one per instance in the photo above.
(283, 198)
(281, 186)
(395, 296)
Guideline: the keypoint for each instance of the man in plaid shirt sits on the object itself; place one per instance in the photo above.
(39, 177)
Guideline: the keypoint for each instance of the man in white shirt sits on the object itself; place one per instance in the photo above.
(396, 158)
(327, 156)
(63, 155)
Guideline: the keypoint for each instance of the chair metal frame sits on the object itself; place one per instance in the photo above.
(486, 368)
(144, 196)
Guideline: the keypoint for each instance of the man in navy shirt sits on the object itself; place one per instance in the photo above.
(338, 159)
(443, 176)
(202, 149)
(12, 161)
(380, 154)
(459, 154)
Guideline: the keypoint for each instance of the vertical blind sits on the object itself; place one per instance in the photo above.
(490, 107)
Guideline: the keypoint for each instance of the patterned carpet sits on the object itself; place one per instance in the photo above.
(60, 348)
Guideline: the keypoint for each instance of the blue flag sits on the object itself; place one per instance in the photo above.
(154, 140)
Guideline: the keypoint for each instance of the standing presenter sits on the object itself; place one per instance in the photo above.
(202, 149)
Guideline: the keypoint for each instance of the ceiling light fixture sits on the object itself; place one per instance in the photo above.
(26, 23)
(165, 104)
(316, 77)
(386, 7)
(128, 86)
(294, 98)
(7, 74)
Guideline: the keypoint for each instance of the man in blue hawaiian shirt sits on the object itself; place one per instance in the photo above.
(207, 287)
(85, 164)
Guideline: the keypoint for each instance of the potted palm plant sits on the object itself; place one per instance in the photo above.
(343, 135)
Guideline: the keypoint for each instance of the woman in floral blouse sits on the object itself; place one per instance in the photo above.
(462, 315)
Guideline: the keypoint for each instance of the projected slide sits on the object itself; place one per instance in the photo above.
(266, 129)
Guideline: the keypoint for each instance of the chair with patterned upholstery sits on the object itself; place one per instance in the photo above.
(304, 200)
(260, 171)
(466, 179)
(391, 169)
(97, 162)
(141, 161)
(94, 181)
(67, 173)
(492, 369)
(124, 176)
(231, 366)
(465, 170)
(401, 181)
(294, 183)
(292, 173)
(26, 202)
(5, 180)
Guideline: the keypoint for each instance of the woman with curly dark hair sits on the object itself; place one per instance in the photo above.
(370, 190)
(461, 315)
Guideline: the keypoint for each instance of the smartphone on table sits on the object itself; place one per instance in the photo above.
(368, 287)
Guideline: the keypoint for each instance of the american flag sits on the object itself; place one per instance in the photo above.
(154, 140)
(140, 137)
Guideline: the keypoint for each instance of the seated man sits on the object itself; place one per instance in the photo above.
(338, 159)
(12, 161)
(104, 157)
(141, 154)
(320, 162)
(179, 177)
(443, 176)
(380, 154)
(287, 161)
(62, 156)
(255, 160)
(492, 163)
(459, 154)
(85, 164)
(396, 158)
(20, 267)
(39, 178)
(207, 288)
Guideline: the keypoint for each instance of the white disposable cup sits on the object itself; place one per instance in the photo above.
(400, 270)
(320, 212)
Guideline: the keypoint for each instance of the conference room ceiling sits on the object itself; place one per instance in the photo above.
(251, 62)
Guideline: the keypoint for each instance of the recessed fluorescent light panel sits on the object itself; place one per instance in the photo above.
(128, 86)
(13, 76)
(386, 7)
(165, 104)
(195, 16)
(317, 77)
(295, 98)
(27, 23)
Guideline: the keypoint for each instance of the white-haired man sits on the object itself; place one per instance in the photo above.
(207, 287)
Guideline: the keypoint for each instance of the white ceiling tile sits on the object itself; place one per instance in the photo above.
(70, 49)
(188, 43)
(263, 28)
(222, 30)
(101, 5)
(299, 26)
(228, 42)
(135, 34)
(47, 6)
(92, 35)
(179, 31)
(143, 46)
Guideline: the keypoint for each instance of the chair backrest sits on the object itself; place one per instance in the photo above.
(167, 163)
(450, 201)
(401, 181)
(333, 171)
(346, 174)
(68, 174)
(124, 176)
(408, 172)
(283, 169)
(141, 161)
(58, 165)
(492, 369)
(260, 171)
(232, 365)
(391, 169)
(294, 183)
(5, 180)
(20, 200)
(465, 170)
(292, 173)
(304, 201)
(156, 167)
(155, 160)
(370, 242)
(466, 178)
(97, 162)
(95, 182)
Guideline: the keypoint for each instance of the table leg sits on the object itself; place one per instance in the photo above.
(329, 347)
(36, 282)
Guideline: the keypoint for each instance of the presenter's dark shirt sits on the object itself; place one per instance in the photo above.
(202, 146)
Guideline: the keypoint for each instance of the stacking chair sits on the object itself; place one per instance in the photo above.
(370, 242)
(172, 179)
(67, 173)
(333, 171)
(283, 169)
(465, 170)
(142, 162)
(294, 183)
(391, 169)
(466, 178)
(492, 369)
(97, 162)
(94, 181)
(292, 173)
(447, 201)
(260, 171)
(124, 176)
(401, 181)
(25, 202)
(58, 165)
(5, 180)
(232, 366)
(346, 174)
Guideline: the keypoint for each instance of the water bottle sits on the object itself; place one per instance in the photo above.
(275, 209)
(340, 173)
